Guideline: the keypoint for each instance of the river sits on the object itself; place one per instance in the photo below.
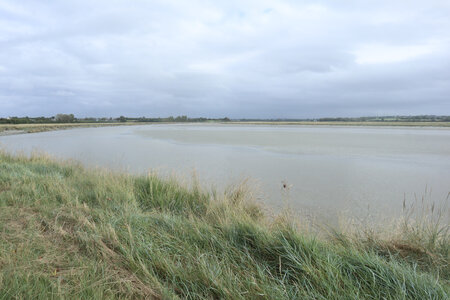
(327, 170)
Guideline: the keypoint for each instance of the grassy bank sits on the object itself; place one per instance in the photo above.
(71, 232)
(6, 129)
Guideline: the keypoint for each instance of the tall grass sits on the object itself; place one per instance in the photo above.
(71, 232)
(421, 237)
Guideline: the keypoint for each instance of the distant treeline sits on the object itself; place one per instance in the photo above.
(70, 118)
(420, 118)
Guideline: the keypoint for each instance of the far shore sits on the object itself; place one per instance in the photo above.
(13, 129)
(344, 123)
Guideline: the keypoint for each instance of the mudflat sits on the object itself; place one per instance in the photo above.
(325, 170)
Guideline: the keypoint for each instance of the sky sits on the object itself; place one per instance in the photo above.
(239, 59)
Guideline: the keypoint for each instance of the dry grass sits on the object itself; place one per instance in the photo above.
(32, 128)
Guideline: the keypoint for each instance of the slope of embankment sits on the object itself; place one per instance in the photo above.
(71, 232)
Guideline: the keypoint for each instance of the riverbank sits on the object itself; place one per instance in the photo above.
(71, 232)
(344, 123)
(9, 129)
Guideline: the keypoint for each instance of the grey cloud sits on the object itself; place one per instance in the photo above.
(271, 59)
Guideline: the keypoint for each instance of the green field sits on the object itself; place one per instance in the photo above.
(76, 233)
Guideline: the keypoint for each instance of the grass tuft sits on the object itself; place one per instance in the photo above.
(71, 232)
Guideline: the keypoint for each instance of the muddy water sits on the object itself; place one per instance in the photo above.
(319, 170)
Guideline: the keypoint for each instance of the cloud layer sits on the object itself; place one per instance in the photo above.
(254, 59)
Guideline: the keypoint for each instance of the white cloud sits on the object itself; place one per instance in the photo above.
(384, 54)
(215, 58)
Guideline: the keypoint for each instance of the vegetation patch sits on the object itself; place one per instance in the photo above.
(71, 232)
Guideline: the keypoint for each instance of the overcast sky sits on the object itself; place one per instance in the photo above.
(254, 59)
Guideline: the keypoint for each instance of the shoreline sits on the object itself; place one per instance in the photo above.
(13, 129)
(350, 124)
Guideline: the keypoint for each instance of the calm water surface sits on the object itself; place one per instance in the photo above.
(326, 170)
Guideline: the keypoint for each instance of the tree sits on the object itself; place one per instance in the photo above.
(122, 119)
(181, 119)
(64, 118)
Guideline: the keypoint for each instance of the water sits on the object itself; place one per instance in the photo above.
(320, 170)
